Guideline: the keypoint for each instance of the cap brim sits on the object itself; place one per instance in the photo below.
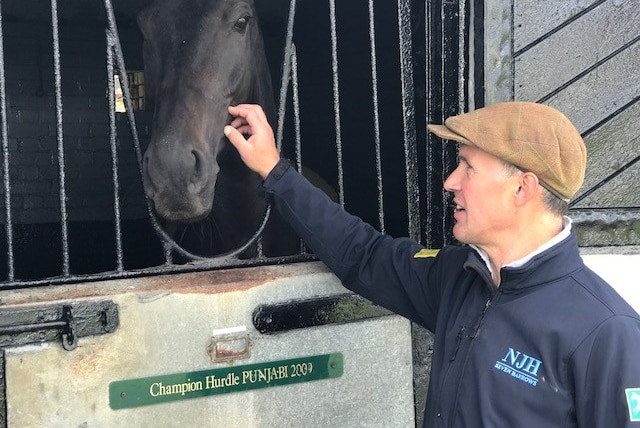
(443, 132)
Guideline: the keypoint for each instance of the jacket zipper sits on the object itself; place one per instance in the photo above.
(458, 342)
(474, 333)
(476, 328)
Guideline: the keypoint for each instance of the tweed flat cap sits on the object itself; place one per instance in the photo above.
(531, 136)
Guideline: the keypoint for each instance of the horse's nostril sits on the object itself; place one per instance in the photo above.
(198, 166)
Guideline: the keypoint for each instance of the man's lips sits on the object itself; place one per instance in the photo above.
(457, 207)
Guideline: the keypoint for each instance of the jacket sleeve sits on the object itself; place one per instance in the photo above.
(374, 265)
(607, 375)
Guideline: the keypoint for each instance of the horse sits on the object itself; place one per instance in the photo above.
(200, 56)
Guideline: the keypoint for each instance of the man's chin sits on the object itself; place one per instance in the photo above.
(459, 234)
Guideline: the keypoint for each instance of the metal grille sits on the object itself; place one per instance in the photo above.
(428, 72)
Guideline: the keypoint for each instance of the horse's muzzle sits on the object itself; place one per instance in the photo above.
(180, 183)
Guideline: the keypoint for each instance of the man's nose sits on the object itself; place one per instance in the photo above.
(450, 184)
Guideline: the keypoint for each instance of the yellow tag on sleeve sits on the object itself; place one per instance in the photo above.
(425, 252)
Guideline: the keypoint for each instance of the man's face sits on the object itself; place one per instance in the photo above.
(483, 193)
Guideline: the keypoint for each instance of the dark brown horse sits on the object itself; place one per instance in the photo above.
(201, 56)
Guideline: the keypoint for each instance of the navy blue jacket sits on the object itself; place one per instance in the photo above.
(553, 346)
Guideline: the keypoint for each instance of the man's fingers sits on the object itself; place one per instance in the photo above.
(238, 122)
(251, 112)
(248, 118)
(259, 151)
(244, 129)
(236, 137)
(241, 125)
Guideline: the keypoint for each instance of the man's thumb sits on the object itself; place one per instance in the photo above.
(233, 135)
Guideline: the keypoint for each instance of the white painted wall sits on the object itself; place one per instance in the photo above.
(621, 271)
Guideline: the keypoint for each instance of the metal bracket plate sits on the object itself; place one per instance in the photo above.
(64, 321)
(294, 314)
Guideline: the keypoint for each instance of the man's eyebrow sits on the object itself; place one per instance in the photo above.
(461, 158)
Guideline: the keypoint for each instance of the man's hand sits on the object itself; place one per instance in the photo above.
(259, 151)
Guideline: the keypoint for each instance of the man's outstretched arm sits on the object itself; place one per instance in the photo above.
(368, 262)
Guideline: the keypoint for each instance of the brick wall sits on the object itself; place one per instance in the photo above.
(33, 151)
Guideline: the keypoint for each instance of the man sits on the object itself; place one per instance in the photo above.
(525, 335)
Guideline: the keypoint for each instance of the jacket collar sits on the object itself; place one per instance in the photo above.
(548, 265)
(564, 233)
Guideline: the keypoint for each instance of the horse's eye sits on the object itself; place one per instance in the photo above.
(241, 24)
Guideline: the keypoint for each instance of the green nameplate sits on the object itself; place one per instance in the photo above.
(182, 386)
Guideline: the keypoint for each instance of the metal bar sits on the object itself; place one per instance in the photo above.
(428, 109)
(290, 75)
(119, 60)
(296, 106)
(60, 139)
(408, 116)
(376, 115)
(26, 328)
(444, 105)
(429, 139)
(477, 61)
(336, 97)
(8, 224)
(450, 94)
(296, 116)
(168, 254)
(114, 152)
(462, 55)
(286, 70)
(195, 266)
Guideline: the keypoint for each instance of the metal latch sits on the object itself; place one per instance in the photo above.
(305, 313)
(65, 322)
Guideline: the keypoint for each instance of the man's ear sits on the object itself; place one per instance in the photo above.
(529, 188)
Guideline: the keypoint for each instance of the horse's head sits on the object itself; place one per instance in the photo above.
(200, 56)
